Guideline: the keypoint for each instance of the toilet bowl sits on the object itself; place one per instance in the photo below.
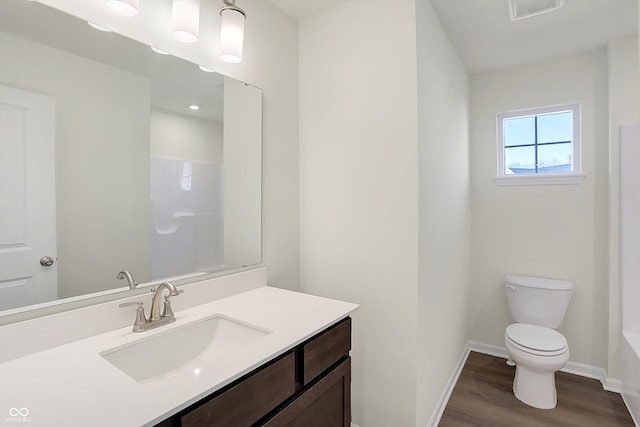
(538, 352)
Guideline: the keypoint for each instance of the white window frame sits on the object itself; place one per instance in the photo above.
(574, 177)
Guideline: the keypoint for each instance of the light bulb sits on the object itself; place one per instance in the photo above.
(185, 20)
(231, 34)
(123, 7)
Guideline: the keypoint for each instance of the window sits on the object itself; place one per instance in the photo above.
(187, 175)
(539, 146)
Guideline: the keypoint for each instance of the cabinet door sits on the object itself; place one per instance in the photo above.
(327, 403)
(324, 350)
(248, 401)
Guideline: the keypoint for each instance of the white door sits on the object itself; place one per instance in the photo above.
(27, 199)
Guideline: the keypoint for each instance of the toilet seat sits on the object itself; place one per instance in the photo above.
(537, 340)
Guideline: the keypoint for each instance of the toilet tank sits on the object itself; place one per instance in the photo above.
(536, 300)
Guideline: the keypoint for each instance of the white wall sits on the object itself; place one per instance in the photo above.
(444, 248)
(624, 93)
(100, 172)
(180, 137)
(359, 192)
(271, 63)
(557, 231)
(384, 197)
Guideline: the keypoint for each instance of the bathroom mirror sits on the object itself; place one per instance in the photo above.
(123, 175)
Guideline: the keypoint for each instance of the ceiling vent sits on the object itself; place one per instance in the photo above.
(520, 9)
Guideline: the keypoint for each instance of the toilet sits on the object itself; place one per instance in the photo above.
(537, 306)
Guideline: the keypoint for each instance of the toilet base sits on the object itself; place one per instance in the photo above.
(535, 381)
(535, 387)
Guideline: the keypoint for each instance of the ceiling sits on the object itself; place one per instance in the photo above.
(301, 9)
(487, 39)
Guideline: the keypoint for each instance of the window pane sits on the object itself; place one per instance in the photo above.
(519, 160)
(554, 158)
(555, 127)
(519, 131)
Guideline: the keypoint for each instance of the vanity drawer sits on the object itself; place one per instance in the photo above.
(324, 350)
(248, 401)
(325, 403)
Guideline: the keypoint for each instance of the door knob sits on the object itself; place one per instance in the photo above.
(46, 261)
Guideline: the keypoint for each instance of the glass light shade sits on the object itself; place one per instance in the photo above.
(123, 7)
(185, 20)
(231, 35)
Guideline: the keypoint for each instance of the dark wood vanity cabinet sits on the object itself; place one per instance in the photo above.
(308, 386)
(326, 403)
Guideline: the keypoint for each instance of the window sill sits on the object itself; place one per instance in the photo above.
(544, 179)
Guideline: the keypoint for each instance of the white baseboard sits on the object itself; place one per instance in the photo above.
(627, 404)
(491, 350)
(589, 371)
(576, 368)
(613, 384)
(448, 389)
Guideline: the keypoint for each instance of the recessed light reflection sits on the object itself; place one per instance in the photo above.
(160, 51)
(98, 27)
(194, 107)
(197, 371)
(205, 69)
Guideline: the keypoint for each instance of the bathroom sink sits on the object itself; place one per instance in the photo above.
(183, 349)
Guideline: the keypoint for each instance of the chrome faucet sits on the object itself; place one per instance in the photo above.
(126, 275)
(157, 317)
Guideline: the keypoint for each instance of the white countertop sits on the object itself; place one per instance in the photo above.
(72, 385)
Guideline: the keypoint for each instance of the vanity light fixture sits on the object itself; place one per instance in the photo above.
(123, 7)
(231, 31)
(185, 23)
(185, 20)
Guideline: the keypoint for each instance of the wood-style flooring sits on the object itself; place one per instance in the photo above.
(483, 397)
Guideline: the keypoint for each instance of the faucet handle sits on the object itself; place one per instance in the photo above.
(168, 311)
(141, 320)
(130, 303)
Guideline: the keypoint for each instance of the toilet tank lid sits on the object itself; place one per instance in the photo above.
(538, 282)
